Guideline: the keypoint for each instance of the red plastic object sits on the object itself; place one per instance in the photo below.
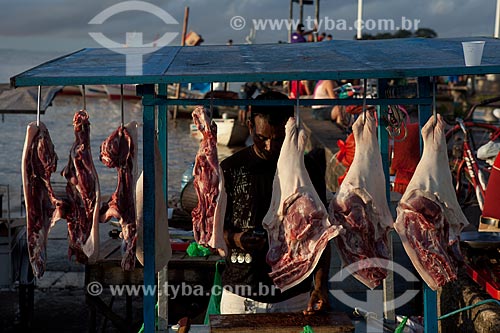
(482, 277)
(179, 246)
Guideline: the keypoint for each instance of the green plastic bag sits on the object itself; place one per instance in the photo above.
(215, 296)
(196, 250)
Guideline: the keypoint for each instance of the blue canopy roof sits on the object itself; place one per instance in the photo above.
(342, 59)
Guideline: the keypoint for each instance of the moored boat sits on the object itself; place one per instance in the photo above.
(230, 132)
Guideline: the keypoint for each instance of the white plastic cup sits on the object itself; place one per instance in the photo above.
(473, 52)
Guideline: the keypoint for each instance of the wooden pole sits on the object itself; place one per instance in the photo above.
(497, 20)
(316, 17)
(359, 34)
(290, 18)
(301, 3)
(183, 42)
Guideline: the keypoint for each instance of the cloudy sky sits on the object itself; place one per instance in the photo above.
(47, 27)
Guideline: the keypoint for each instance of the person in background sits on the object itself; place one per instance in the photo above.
(322, 36)
(248, 179)
(325, 89)
(299, 35)
(329, 37)
(303, 87)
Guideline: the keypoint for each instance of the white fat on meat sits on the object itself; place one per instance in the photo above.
(297, 221)
(208, 215)
(360, 206)
(163, 249)
(429, 217)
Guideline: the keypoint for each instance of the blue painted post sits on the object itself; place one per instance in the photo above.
(383, 139)
(149, 299)
(430, 296)
(162, 134)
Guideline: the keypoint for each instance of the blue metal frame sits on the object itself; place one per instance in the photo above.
(398, 58)
(430, 296)
(149, 208)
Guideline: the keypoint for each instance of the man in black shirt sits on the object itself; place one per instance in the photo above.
(248, 178)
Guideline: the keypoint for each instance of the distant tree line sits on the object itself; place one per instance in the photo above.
(421, 32)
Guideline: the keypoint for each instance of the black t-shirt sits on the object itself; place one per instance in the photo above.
(249, 182)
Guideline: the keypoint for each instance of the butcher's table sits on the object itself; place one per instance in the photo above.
(183, 271)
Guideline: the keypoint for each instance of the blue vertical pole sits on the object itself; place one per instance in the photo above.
(430, 296)
(149, 299)
(162, 135)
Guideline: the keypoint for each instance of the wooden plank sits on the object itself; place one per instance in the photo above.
(280, 322)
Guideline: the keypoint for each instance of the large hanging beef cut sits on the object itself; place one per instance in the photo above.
(119, 151)
(83, 194)
(297, 221)
(39, 161)
(208, 215)
(429, 217)
(360, 206)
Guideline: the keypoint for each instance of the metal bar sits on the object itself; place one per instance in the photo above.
(383, 137)
(162, 100)
(22, 81)
(430, 296)
(149, 299)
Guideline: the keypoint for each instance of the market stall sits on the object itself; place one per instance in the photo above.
(383, 59)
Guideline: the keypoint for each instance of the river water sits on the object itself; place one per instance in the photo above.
(104, 118)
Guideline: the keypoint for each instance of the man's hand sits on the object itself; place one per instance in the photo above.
(317, 302)
(250, 241)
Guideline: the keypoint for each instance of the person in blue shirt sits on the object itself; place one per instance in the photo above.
(298, 35)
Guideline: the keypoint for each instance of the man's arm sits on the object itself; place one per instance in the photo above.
(319, 296)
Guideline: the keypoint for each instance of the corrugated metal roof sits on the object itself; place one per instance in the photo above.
(340, 59)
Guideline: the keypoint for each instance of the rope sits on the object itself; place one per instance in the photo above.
(84, 97)
(469, 307)
(39, 97)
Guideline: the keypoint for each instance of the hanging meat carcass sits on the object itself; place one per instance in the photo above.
(208, 215)
(39, 161)
(83, 194)
(163, 249)
(360, 206)
(429, 217)
(297, 221)
(119, 151)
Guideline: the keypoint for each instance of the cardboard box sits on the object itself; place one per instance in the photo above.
(193, 39)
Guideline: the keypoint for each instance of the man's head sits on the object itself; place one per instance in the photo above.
(300, 28)
(267, 125)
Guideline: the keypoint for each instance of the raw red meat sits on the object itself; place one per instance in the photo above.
(208, 215)
(82, 210)
(119, 151)
(297, 221)
(429, 217)
(39, 161)
(360, 206)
